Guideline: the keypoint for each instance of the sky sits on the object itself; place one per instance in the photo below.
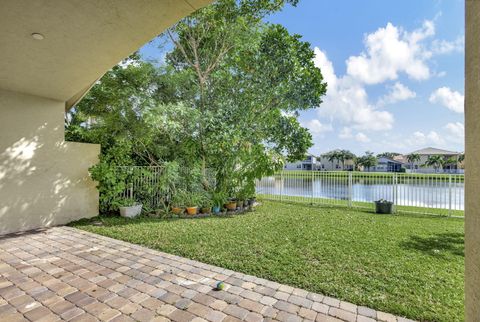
(394, 69)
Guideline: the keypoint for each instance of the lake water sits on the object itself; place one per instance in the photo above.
(431, 193)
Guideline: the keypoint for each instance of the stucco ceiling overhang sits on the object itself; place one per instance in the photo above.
(83, 39)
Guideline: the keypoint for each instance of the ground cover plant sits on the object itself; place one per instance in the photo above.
(403, 264)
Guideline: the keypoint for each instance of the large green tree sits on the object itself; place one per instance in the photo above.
(112, 113)
(225, 99)
(247, 79)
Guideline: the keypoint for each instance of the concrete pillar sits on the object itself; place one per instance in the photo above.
(472, 160)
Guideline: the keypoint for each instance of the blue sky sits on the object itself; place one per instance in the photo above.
(395, 71)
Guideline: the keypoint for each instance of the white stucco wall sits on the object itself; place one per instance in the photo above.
(44, 180)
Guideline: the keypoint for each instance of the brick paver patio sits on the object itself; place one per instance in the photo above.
(67, 274)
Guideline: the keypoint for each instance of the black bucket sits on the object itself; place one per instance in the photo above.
(384, 207)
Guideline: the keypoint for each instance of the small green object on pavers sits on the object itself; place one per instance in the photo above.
(220, 286)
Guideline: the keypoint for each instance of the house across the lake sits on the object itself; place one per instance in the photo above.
(311, 162)
(327, 165)
(386, 165)
(420, 167)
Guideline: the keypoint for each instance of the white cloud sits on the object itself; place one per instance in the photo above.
(446, 47)
(347, 100)
(321, 61)
(425, 139)
(345, 133)
(451, 136)
(317, 127)
(361, 137)
(398, 92)
(390, 51)
(452, 100)
(456, 132)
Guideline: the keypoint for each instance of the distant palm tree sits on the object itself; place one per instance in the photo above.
(435, 161)
(461, 161)
(333, 156)
(388, 155)
(368, 160)
(452, 162)
(357, 163)
(346, 155)
(412, 158)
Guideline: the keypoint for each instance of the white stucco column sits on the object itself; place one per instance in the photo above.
(44, 180)
(472, 161)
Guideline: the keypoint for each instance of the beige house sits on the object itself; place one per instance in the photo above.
(53, 51)
(420, 167)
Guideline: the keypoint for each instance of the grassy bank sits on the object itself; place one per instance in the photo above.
(362, 205)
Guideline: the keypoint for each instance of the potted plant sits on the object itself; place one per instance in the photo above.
(252, 200)
(166, 186)
(192, 201)
(218, 199)
(249, 192)
(231, 204)
(242, 201)
(207, 206)
(383, 206)
(178, 202)
(129, 208)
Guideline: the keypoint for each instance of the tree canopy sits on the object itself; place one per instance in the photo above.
(340, 156)
(388, 155)
(435, 161)
(368, 160)
(225, 99)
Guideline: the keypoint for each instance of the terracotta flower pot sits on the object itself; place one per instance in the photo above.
(177, 210)
(231, 205)
(192, 210)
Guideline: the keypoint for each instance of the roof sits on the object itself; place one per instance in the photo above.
(82, 40)
(389, 160)
(400, 158)
(434, 151)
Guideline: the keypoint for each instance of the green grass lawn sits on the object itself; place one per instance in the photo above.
(404, 264)
(365, 206)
